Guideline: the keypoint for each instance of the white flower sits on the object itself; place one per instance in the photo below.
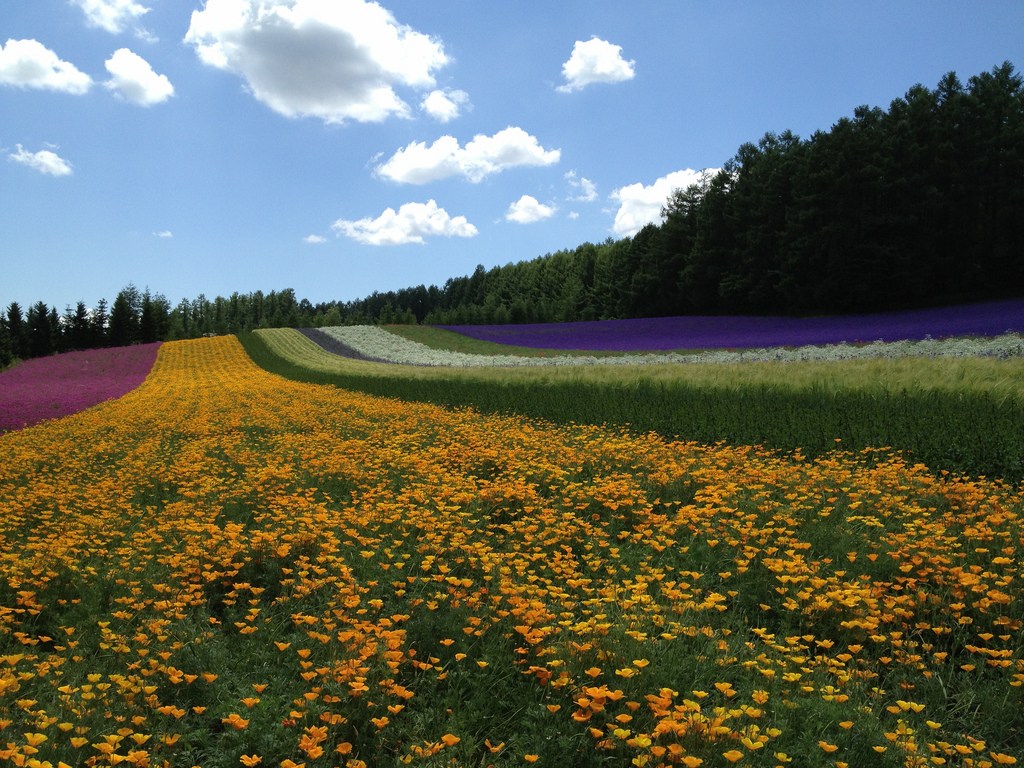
(373, 341)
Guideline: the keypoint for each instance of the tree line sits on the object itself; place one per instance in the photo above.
(139, 317)
(916, 205)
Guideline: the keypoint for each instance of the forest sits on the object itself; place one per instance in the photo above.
(915, 205)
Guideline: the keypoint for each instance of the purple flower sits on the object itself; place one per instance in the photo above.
(743, 332)
(56, 386)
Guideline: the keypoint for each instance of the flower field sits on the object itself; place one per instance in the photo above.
(371, 342)
(740, 332)
(225, 568)
(55, 386)
(960, 410)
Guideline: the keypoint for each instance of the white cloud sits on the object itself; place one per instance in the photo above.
(481, 157)
(113, 15)
(30, 64)
(314, 239)
(410, 224)
(585, 190)
(595, 61)
(166, 234)
(445, 106)
(527, 210)
(43, 161)
(134, 79)
(640, 205)
(337, 60)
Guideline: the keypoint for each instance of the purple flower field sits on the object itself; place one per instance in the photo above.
(52, 387)
(744, 332)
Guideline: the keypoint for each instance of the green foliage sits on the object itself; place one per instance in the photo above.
(6, 345)
(966, 429)
(911, 206)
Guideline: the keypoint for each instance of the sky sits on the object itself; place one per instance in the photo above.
(342, 147)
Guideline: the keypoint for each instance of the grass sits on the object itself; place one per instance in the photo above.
(963, 415)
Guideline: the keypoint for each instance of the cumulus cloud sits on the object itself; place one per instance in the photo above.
(164, 234)
(114, 16)
(30, 64)
(595, 61)
(134, 80)
(409, 224)
(528, 209)
(583, 189)
(640, 205)
(43, 161)
(445, 106)
(314, 239)
(483, 156)
(338, 61)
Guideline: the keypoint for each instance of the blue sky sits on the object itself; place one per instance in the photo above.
(340, 147)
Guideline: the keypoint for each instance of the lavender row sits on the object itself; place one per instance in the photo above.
(52, 387)
(744, 332)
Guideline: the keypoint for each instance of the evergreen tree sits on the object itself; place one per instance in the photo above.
(154, 317)
(99, 324)
(39, 330)
(6, 346)
(125, 316)
(77, 327)
(17, 330)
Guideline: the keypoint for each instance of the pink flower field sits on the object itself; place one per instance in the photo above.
(52, 387)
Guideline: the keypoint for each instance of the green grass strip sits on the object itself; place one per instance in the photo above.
(440, 338)
(965, 416)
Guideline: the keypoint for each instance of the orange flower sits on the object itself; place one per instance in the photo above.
(236, 721)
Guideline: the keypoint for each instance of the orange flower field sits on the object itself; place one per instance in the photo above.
(227, 568)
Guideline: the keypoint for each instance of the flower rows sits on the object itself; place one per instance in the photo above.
(52, 387)
(374, 342)
(738, 331)
(226, 568)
